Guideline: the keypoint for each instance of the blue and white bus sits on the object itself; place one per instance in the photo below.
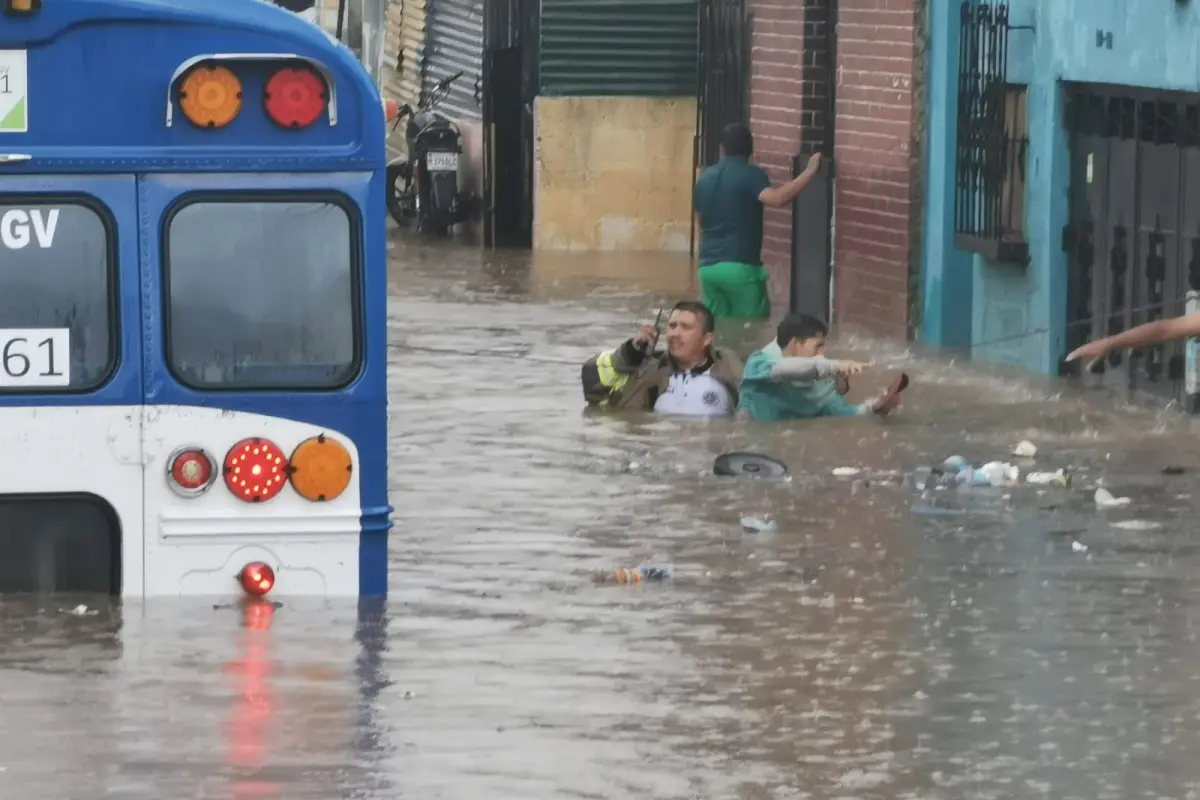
(192, 303)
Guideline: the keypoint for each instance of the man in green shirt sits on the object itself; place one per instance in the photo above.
(730, 196)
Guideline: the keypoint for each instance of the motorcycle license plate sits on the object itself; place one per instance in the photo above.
(441, 162)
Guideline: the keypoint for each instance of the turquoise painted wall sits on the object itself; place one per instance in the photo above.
(1018, 314)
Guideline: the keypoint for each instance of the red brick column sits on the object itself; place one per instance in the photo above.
(776, 89)
(879, 137)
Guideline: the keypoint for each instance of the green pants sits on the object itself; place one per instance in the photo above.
(734, 290)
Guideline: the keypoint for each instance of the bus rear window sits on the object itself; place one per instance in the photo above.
(58, 327)
(262, 294)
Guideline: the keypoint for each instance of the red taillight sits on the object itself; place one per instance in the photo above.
(295, 97)
(190, 471)
(257, 578)
(255, 470)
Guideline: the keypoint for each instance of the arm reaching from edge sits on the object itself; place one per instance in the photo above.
(1157, 332)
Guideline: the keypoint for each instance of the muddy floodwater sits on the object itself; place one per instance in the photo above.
(882, 643)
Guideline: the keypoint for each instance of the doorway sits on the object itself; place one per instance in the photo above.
(510, 80)
(1133, 236)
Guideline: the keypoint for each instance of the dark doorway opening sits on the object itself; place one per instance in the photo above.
(1133, 236)
(69, 543)
(813, 210)
(510, 80)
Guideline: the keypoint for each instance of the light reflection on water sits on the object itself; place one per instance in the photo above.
(864, 650)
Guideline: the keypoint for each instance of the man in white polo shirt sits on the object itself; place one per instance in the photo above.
(692, 378)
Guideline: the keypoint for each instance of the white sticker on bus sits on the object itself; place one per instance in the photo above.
(20, 228)
(34, 357)
(14, 91)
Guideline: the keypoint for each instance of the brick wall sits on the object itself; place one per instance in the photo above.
(776, 86)
(880, 131)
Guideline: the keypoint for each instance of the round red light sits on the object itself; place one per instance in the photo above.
(190, 471)
(255, 470)
(257, 578)
(295, 97)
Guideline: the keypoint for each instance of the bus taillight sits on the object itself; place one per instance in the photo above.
(257, 578)
(320, 469)
(191, 471)
(22, 6)
(210, 96)
(255, 470)
(295, 97)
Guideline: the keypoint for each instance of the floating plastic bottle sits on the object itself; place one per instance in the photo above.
(998, 474)
(633, 575)
(1060, 479)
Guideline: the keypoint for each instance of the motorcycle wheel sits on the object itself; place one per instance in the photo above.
(399, 205)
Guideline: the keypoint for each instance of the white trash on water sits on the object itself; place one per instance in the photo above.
(998, 473)
(1079, 547)
(1137, 525)
(846, 472)
(1056, 478)
(80, 611)
(1105, 499)
(1025, 449)
(759, 525)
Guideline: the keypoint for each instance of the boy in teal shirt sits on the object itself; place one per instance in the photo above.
(791, 379)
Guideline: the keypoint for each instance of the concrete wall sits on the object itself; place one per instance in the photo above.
(1153, 45)
(878, 140)
(613, 173)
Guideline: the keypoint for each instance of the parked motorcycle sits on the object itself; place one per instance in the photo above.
(423, 187)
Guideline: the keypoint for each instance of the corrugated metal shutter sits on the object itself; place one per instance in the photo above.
(412, 43)
(643, 48)
(453, 42)
(404, 48)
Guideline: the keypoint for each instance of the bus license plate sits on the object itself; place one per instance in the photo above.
(442, 162)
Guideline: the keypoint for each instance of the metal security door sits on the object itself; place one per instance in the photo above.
(1134, 229)
(453, 43)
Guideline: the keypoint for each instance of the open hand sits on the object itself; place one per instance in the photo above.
(814, 162)
(1094, 351)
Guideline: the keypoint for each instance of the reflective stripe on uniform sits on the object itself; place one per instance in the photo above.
(610, 378)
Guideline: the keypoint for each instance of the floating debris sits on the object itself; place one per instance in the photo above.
(846, 472)
(80, 611)
(1058, 478)
(1024, 449)
(1105, 499)
(759, 525)
(1137, 525)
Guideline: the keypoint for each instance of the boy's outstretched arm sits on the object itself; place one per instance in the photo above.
(1157, 332)
(809, 368)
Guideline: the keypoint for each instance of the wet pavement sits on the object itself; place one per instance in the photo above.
(881, 644)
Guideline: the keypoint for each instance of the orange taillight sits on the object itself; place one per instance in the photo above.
(210, 96)
(320, 469)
